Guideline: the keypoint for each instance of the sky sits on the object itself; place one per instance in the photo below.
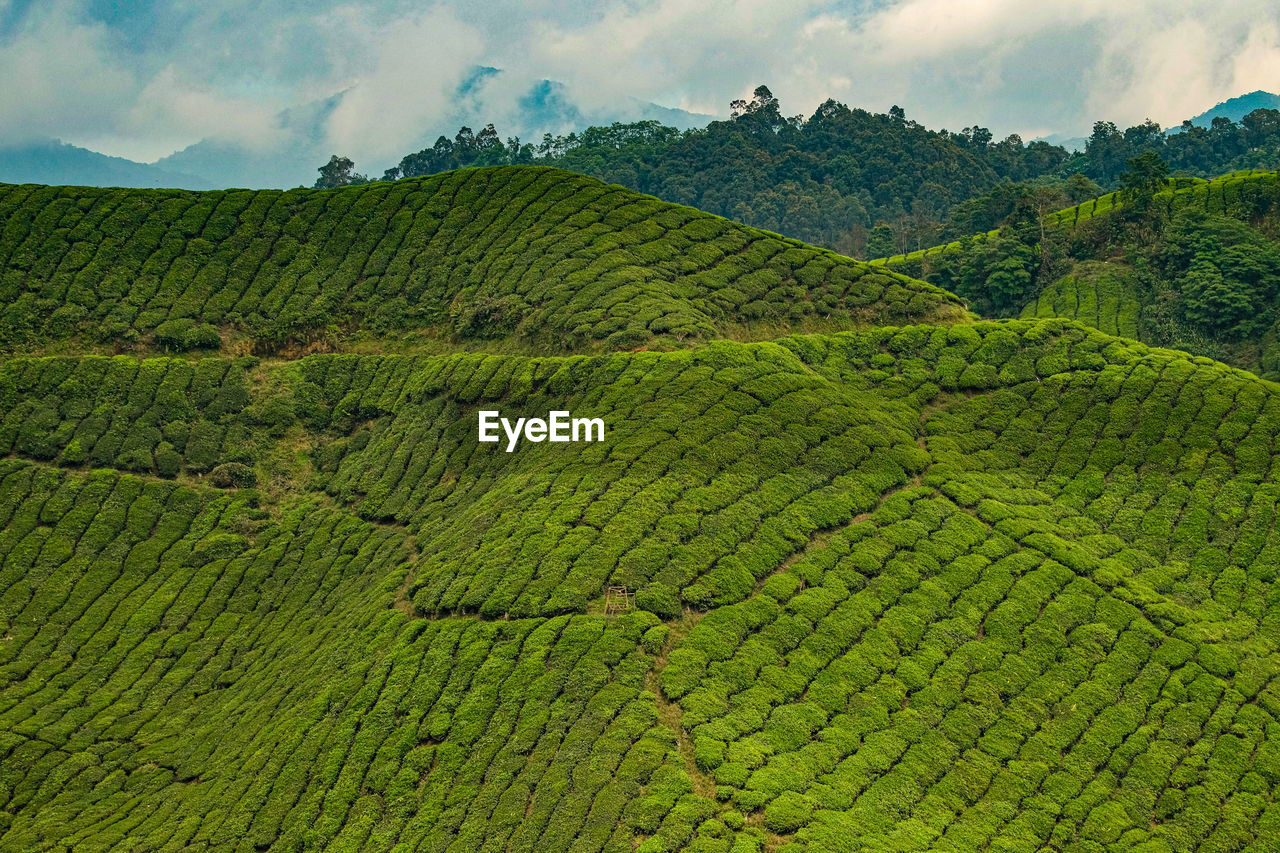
(144, 78)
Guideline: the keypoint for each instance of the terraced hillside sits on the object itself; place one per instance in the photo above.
(1097, 294)
(983, 586)
(556, 260)
(1248, 193)
(1196, 266)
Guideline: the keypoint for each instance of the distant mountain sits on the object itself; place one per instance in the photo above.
(1066, 140)
(1237, 108)
(55, 162)
(232, 165)
(292, 162)
(546, 107)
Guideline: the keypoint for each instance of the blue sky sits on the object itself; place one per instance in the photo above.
(142, 79)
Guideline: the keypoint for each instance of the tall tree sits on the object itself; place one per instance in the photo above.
(881, 242)
(336, 173)
(1146, 175)
(1105, 149)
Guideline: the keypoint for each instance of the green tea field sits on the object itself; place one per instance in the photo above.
(556, 260)
(896, 578)
(1195, 266)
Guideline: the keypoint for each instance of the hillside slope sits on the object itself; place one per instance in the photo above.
(558, 261)
(1196, 267)
(998, 585)
(922, 589)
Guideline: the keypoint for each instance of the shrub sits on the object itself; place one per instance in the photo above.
(233, 475)
(173, 334)
(201, 336)
(168, 460)
(788, 812)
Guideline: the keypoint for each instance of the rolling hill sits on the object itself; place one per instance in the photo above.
(1238, 107)
(1196, 267)
(909, 582)
(542, 256)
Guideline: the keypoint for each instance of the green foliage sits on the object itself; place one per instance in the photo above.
(940, 571)
(235, 475)
(1193, 265)
(1212, 300)
(1003, 585)
(218, 688)
(862, 183)
(1100, 295)
(825, 179)
(1137, 153)
(880, 241)
(1147, 174)
(554, 260)
(1009, 278)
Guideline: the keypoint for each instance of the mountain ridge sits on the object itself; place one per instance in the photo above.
(1237, 108)
(56, 162)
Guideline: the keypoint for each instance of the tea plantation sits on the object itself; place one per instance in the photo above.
(557, 260)
(1194, 265)
(1095, 294)
(937, 584)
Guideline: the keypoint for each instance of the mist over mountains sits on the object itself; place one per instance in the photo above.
(304, 139)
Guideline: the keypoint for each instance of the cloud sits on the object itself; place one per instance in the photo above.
(55, 79)
(702, 52)
(66, 76)
(1257, 63)
(414, 73)
(171, 100)
(160, 75)
(1064, 63)
(1007, 64)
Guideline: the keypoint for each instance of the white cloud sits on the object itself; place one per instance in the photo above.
(224, 68)
(67, 77)
(416, 67)
(1004, 63)
(1171, 61)
(55, 78)
(169, 112)
(704, 51)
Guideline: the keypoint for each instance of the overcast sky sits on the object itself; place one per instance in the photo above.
(142, 79)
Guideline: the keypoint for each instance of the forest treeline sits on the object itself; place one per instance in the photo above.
(865, 184)
(825, 179)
